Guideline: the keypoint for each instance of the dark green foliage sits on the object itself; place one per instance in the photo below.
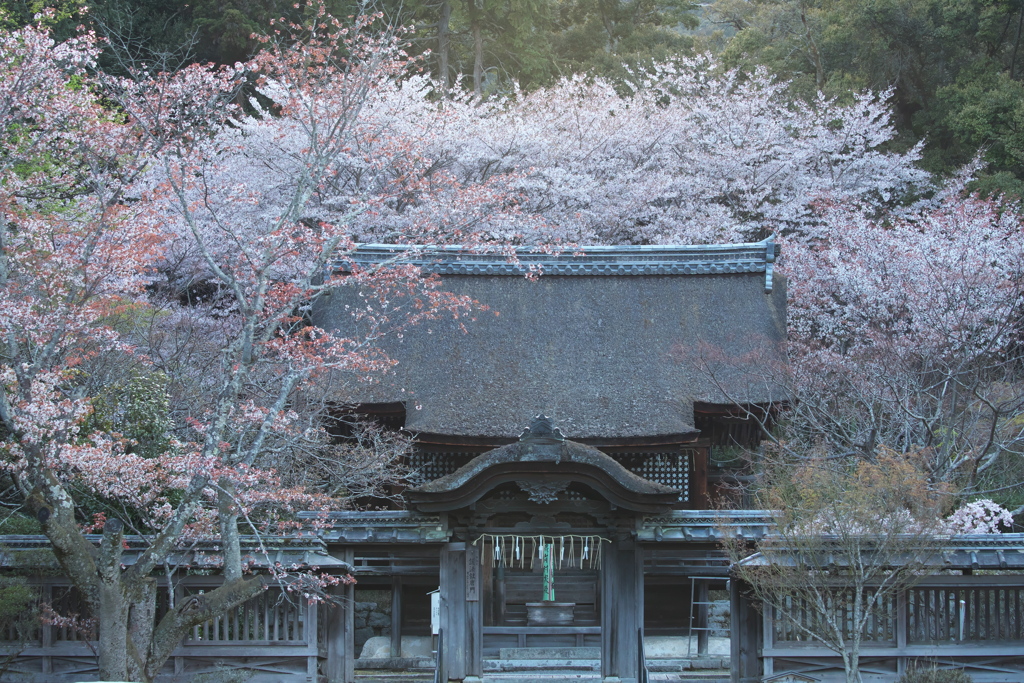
(15, 523)
(955, 68)
(17, 606)
(15, 13)
(19, 616)
(137, 409)
(601, 36)
(931, 674)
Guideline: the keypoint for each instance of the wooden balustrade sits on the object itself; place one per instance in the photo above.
(274, 633)
(969, 622)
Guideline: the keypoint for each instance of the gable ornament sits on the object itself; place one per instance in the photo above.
(543, 492)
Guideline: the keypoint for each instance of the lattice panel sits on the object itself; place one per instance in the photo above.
(670, 469)
(431, 465)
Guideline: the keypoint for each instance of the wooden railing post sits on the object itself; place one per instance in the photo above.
(902, 628)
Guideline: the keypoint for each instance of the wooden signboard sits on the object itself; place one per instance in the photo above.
(472, 573)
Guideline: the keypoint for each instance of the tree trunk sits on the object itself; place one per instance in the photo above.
(230, 542)
(133, 646)
(195, 610)
(113, 632)
(812, 53)
(114, 603)
(444, 44)
(853, 666)
(475, 21)
(141, 621)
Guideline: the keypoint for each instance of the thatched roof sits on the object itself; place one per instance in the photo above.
(608, 343)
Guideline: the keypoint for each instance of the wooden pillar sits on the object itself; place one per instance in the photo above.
(699, 480)
(46, 634)
(311, 630)
(499, 595)
(767, 640)
(474, 614)
(341, 642)
(622, 609)
(701, 598)
(453, 610)
(487, 590)
(396, 616)
(745, 635)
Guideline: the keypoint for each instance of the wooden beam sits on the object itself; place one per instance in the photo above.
(543, 630)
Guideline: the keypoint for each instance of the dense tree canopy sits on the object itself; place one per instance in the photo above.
(955, 67)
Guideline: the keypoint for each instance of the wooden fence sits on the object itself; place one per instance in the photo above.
(275, 637)
(972, 623)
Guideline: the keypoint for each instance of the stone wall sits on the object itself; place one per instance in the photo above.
(372, 618)
(719, 617)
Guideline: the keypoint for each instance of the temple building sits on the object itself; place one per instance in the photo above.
(569, 444)
(575, 468)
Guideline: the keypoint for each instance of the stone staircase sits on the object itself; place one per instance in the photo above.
(561, 665)
(544, 665)
(583, 665)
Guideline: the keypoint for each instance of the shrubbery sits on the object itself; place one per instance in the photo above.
(931, 674)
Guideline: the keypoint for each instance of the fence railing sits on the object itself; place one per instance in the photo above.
(932, 614)
(269, 617)
(274, 633)
(974, 623)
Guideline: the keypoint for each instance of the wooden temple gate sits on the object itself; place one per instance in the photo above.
(503, 508)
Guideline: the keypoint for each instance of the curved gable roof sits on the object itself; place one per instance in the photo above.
(543, 456)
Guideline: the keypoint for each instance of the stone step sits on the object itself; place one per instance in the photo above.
(563, 677)
(541, 665)
(687, 664)
(543, 677)
(547, 676)
(549, 653)
(394, 676)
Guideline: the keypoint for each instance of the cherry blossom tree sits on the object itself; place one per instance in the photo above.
(905, 333)
(691, 155)
(117, 212)
(848, 536)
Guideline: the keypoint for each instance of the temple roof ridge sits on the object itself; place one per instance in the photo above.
(707, 259)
